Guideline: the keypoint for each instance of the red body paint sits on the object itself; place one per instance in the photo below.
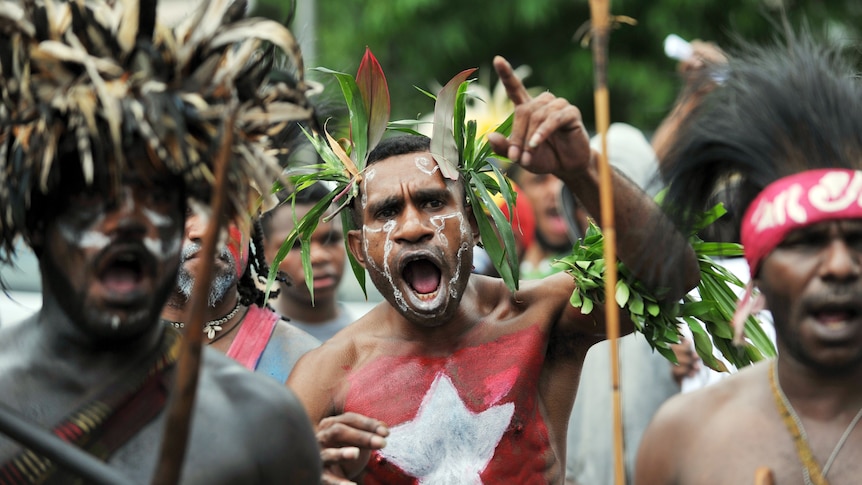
(495, 373)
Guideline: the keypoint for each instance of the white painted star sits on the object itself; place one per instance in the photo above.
(446, 443)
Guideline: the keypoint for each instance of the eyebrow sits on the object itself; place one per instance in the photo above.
(391, 201)
(420, 195)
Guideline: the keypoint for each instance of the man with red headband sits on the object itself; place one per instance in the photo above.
(786, 126)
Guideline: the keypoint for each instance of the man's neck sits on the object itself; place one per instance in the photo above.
(89, 361)
(817, 393)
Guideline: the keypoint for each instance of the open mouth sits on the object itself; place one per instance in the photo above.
(122, 273)
(835, 317)
(423, 276)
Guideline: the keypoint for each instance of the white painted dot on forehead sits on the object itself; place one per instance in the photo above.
(426, 165)
(369, 175)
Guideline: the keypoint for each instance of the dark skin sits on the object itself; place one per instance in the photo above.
(411, 209)
(813, 286)
(327, 262)
(294, 342)
(107, 267)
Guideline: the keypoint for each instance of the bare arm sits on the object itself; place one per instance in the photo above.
(548, 136)
(345, 439)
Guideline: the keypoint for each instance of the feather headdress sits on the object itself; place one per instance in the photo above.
(456, 148)
(86, 77)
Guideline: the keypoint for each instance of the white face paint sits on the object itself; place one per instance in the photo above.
(369, 175)
(426, 165)
(388, 227)
(98, 241)
(88, 239)
(160, 251)
(439, 223)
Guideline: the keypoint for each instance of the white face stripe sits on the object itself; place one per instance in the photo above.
(388, 227)
(88, 239)
(426, 165)
(369, 175)
(439, 223)
(98, 241)
(157, 220)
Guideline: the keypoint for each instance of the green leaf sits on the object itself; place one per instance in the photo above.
(622, 293)
(587, 307)
(443, 145)
(502, 255)
(358, 270)
(358, 115)
(576, 300)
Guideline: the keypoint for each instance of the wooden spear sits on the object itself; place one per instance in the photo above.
(179, 411)
(599, 35)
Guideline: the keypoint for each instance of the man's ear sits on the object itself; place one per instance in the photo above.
(354, 243)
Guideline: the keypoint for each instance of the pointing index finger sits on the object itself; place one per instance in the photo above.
(514, 87)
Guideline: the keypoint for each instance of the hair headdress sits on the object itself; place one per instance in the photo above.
(81, 79)
(455, 146)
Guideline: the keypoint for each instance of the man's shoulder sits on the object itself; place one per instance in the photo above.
(734, 396)
(223, 378)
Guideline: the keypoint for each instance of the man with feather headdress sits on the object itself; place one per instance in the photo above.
(109, 122)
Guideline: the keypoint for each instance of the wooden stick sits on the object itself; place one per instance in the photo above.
(179, 411)
(600, 32)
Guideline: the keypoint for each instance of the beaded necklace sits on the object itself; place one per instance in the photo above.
(811, 471)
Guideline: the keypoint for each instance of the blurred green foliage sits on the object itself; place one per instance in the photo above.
(425, 42)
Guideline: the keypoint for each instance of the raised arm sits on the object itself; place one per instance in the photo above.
(548, 136)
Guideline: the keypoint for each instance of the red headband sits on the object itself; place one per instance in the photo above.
(797, 201)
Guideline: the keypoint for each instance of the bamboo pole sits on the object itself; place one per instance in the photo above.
(599, 34)
(179, 411)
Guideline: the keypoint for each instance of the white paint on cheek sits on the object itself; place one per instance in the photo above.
(426, 165)
(88, 239)
(388, 227)
(460, 257)
(115, 322)
(160, 250)
(465, 245)
(158, 220)
(439, 223)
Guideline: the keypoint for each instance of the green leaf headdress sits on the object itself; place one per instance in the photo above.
(86, 77)
(454, 144)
